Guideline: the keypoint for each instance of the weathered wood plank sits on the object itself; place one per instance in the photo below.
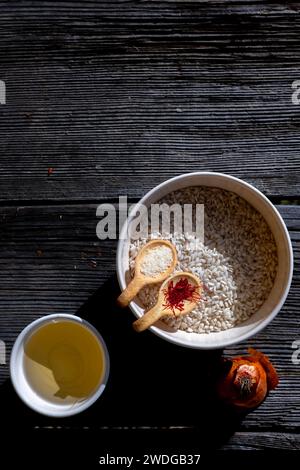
(139, 125)
(263, 441)
(118, 96)
(51, 260)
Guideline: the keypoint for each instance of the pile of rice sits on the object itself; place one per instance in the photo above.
(237, 262)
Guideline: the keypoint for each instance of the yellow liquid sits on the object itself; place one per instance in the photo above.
(64, 362)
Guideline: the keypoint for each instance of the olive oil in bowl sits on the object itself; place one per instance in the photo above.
(64, 365)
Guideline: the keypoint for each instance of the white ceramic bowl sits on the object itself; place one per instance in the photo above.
(20, 382)
(281, 287)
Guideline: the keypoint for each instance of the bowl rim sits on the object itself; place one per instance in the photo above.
(228, 342)
(33, 326)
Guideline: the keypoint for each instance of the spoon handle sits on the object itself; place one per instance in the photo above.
(148, 319)
(129, 293)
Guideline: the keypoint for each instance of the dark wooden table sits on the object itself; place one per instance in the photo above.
(111, 98)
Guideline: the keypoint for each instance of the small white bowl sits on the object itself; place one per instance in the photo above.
(24, 390)
(282, 283)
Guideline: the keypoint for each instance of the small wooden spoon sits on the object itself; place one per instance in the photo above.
(159, 310)
(140, 280)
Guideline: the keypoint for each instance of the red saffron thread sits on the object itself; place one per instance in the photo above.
(176, 295)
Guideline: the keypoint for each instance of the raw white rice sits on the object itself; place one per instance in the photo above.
(156, 260)
(237, 263)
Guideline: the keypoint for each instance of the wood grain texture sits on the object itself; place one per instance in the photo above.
(263, 441)
(51, 261)
(118, 96)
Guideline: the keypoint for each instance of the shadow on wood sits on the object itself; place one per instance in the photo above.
(153, 384)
